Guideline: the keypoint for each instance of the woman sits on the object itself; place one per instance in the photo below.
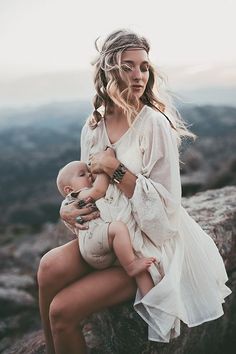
(143, 134)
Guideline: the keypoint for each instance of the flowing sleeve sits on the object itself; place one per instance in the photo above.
(156, 200)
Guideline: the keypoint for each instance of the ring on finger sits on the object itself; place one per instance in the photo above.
(81, 203)
(80, 220)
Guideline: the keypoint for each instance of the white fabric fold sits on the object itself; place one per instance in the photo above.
(190, 279)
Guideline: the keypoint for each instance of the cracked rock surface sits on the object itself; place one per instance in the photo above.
(118, 330)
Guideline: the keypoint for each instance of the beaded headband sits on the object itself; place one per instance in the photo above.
(130, 47)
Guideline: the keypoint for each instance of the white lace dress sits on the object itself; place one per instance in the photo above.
(190, 281)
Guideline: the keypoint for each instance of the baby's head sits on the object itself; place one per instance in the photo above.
(72, 177)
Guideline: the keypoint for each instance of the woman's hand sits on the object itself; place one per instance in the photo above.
(98, 161)
(86, 209)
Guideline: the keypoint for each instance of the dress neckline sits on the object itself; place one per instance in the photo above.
(127, 131)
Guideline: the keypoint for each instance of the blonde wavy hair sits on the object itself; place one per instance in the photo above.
(108, 71)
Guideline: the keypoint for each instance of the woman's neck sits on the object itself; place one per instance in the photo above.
(117, 113)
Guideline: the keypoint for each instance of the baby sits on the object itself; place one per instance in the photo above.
(103, 241)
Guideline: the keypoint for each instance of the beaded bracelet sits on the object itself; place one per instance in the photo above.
(119, 173)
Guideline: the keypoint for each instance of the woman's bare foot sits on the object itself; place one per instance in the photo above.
(139, 265)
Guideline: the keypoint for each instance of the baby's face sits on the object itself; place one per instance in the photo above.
(82, 177)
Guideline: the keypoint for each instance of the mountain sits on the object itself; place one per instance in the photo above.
(213, 84)
(54, 115)
(36, 142)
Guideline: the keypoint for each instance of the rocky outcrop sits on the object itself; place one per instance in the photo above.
(120, 330)
(19, 261)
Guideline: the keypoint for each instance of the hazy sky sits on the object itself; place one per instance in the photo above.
(39, 36)
(46, 46)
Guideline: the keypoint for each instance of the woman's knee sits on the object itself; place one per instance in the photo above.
(48, 269)
(62, 315)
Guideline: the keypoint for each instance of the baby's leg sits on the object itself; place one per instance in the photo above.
(119, 240)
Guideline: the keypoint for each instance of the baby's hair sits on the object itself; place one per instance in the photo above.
(64, 179)
(60, 182)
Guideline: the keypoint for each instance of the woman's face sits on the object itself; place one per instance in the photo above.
(135, 65)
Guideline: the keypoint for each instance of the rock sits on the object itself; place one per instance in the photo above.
(20, 281)
(12, 300)
(32, 343)
(13, 327)
(30, 251)
(215, 211)
(18, 304)
(120, 330)
(18, 287)
(10, 323)
(23, 320)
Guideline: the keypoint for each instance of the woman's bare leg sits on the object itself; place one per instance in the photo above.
(144, 282)
(90, 294)
(58, 268)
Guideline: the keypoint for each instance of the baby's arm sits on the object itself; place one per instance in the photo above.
(99, 188)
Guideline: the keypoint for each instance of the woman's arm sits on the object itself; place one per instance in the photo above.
(70, 212)
(158, 185)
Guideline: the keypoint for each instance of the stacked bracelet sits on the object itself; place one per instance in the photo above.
(119, 173)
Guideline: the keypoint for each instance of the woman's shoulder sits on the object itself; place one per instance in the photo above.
(91, 129)
(93, 136)
(155, 119)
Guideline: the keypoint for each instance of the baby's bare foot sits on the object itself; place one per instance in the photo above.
(139, 265)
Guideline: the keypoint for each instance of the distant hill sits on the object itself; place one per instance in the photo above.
(35, 143)
(53, 115)
(209, 162)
